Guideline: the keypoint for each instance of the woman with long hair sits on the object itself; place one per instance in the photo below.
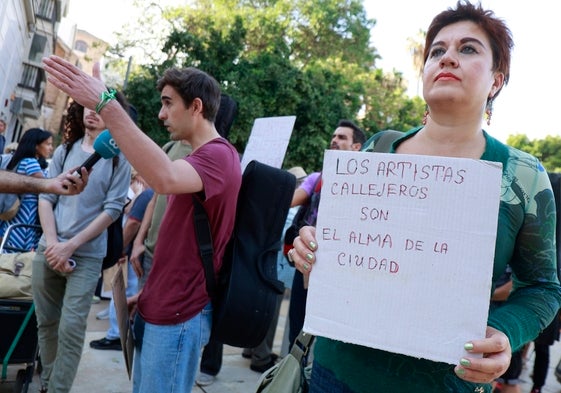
(30, 158)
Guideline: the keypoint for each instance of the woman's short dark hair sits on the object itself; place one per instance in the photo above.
(191, 83)
(497, 32)
(27, 147)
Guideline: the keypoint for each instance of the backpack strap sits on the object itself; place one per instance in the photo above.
(382, 141)
(301, 346)
(204, 239)
(167, 147)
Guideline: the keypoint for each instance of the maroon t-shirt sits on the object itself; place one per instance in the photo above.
(175, 290)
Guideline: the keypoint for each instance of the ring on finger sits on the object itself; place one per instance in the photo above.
(289, 255)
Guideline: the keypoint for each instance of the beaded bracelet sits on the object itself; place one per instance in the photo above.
(105, 97)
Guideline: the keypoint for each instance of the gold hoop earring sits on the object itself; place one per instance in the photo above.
(489, 111)
(426, 116)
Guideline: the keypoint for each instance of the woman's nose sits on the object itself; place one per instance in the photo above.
(449, 59)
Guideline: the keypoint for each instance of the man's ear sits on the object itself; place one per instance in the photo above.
(197, 105)
(356, 146)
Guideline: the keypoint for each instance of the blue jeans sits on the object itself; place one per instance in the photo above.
(324, 381)
(132, 289)
(167, 358)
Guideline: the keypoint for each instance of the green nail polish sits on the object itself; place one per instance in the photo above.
(309, 256)
(306, 266)
(465, 362)
(468, 346)
(460, 371)
(313, 245)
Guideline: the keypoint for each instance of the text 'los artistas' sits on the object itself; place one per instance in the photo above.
(392, 178)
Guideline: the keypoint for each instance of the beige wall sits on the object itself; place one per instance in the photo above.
(56, 102)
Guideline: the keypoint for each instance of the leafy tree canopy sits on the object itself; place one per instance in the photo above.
(275, 58)
(547, 150)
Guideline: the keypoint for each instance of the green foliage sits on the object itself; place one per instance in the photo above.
(142, 93)
(277, 58)
(547, 150)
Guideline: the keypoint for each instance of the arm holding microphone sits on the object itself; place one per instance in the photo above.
(63, 184)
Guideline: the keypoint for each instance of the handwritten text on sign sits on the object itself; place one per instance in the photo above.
(406, 246)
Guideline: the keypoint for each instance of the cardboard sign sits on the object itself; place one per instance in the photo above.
(123, 320)
(268, 141)
(406, 249)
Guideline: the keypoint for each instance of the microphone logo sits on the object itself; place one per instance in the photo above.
(105, 145)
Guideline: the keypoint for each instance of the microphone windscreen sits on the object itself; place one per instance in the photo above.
(105, 145)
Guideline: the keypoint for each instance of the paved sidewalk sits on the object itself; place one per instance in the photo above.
(551, 383)
(105, 372)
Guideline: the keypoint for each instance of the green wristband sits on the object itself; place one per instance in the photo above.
(105, 97)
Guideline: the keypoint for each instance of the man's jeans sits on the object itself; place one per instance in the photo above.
(62, 304)
(167, 356)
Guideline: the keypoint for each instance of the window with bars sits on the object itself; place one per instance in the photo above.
(81, 46)
(37, 49)
(46, 9)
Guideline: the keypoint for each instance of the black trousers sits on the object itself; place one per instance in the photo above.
(211, 360)
(297, 307)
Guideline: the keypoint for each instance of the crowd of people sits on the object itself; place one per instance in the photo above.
(466, 64)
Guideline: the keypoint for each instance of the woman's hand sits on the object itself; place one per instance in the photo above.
(303, 254)
(496, 352)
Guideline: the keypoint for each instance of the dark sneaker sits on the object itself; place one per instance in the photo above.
(264, 367)
(105, 343)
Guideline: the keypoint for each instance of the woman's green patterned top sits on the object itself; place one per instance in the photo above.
(525, 241)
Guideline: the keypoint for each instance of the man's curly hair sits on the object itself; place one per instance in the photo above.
(73, 124)
(73, 128)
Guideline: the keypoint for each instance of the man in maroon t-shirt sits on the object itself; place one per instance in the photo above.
(174, 311)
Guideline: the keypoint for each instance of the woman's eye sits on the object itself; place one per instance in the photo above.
(468, 49)
(436, 52)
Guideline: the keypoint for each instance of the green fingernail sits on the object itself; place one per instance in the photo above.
(313, 245)
(309, 256)
(468, 346)
(306, 266)
(465, 362)
(460, 371)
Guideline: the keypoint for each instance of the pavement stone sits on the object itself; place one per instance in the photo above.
(105, 371)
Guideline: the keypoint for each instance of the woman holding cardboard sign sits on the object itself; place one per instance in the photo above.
(466, 64)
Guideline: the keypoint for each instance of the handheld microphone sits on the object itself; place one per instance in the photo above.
(104, 147)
